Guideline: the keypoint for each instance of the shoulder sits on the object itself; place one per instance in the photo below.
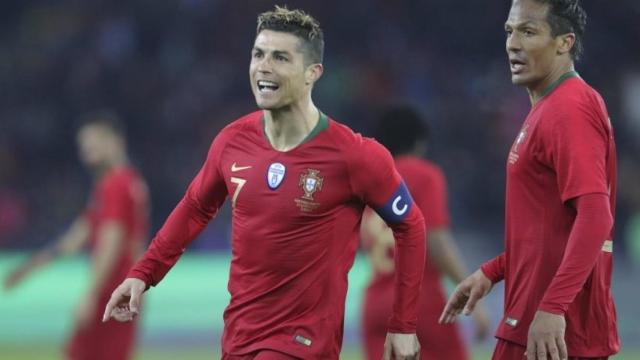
(575, 108)
(247, 125)
(576, 99)
(343, 136)
(116, 180)
(248, 122)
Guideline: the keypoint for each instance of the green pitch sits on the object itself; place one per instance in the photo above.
(182, 317)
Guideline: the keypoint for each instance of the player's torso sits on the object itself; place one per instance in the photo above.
(295, 221)
(289, 208)
(133, 202)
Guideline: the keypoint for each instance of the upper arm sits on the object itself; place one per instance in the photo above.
(577, 151)
(377, 183)
(208, 189)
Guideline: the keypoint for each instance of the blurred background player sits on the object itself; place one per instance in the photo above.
(560, 200)
(298, 182)
(402, 130)
(114, 225)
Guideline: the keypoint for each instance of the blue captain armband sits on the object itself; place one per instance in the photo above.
(397, 207)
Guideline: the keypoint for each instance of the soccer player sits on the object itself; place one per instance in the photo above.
(298, 183)
(402, 131)
(560, 201)
(114, 225)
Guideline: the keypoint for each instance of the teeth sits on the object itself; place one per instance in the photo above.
(267, 83)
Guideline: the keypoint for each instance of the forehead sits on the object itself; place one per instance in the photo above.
(269, 40)
(93, 131)
(527, 11)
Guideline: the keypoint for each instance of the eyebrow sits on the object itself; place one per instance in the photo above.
(275, 52)
(526, 23)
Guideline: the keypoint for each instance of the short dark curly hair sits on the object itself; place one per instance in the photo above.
(567, 16)
(400, 128)
(298, 23)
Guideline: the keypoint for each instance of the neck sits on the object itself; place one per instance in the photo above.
(539, 90)
(114, 163)
(288, 127)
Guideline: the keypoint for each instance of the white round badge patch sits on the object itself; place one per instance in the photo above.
(275, 175)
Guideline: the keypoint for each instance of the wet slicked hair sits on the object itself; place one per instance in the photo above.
(567, 16)
(298, 23)
(400, 128)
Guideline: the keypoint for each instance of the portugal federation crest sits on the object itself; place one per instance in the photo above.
(310, 182)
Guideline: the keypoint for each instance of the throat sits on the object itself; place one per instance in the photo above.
(287, 132)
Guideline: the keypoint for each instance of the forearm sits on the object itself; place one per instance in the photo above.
(494, 269)
(409, 263)
(591, 228)
(70, 242)
(444, 254)
(183, 225)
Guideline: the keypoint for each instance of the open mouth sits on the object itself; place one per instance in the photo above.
(517, 65)
(265, 86)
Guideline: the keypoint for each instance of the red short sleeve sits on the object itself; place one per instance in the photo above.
(115, 198)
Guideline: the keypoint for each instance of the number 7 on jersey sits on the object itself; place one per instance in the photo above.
(240, 182)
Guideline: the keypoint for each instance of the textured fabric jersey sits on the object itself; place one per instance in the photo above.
(295, 220)
(565, 150)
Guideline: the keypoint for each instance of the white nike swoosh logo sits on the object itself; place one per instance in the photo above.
(235, 168)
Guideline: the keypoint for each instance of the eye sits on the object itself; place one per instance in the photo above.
(528, 33)
(281, 58)
(257, 54)
(508, 32)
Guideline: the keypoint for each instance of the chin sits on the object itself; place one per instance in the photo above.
(518, 79)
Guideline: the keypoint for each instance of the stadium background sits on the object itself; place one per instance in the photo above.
(176, 71)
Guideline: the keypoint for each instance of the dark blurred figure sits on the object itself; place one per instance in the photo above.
(402, 130)
(114, 225)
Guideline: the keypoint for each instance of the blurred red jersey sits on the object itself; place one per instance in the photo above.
(120, 195)
(564, 150)
(296, 217)
(428, 187)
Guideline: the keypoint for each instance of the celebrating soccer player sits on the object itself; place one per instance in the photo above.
(114, 224)
(560, 200)
(298, 183)
(402, 131)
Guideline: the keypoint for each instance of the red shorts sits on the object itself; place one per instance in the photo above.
(507, 350)
(260, 355)
(102, 341)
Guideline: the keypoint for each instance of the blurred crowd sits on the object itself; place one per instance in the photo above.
(177, 72)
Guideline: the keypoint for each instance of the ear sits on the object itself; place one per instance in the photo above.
(313, 73)
(565, 42)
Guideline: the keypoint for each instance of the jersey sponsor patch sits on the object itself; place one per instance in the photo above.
(275, 175)
(511, 321)
(398, 205)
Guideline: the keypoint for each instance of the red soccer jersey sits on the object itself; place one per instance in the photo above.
(564, 150)
(121, 195)
(296, 217)
(428, 187)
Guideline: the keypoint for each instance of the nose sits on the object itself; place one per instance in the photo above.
(513, 42)
(264, 65)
